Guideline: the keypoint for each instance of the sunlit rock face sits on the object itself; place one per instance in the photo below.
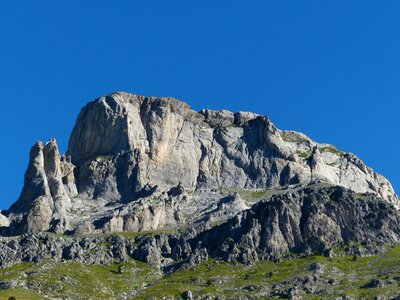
(144, 163)
(165, 143)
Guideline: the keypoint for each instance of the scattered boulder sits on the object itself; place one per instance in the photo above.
(374, 283)
(187, 295)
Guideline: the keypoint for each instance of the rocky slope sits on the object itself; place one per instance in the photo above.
(149, 179)
(312, 220)
(313, 277)
(138, 163)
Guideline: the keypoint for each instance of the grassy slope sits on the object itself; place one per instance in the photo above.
(139, 281)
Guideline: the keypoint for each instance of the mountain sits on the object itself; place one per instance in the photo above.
(160, 183)
(136, 163)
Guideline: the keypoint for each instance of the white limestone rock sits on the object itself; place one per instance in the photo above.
(127, 152)
(44, 200)
(168, 143)
(4, 222)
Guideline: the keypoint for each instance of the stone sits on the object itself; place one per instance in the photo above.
(293, 294)
(43, 201)
(174, 145)
(4, 222)
(301, 220)
(374, 283)
(138, 163)
(187, 295)
(5, 285)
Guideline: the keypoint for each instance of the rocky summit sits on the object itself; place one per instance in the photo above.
(148, 179)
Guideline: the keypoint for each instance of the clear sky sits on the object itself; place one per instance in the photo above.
(330, 69)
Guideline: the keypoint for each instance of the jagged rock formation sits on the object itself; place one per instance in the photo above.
(49, 183)
(311, 220)
(142, 164)
(128, 155)
(308, 220)
(4, 221)
(38, 247)
(164, 144)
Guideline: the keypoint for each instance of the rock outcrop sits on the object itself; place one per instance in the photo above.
(4, 222)
(38, 247)
(139, 163)
(167, 144)
(312, 220)
(44, 199)
(149, 179)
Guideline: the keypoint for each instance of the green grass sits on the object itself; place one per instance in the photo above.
(252, 196)
(137, 280)
(134, 235)
(288, 138)
(331, 149)
(225, 279)
(20, 294)
(102, 157)
(303, 154)
(258, 194)
(292, 138)
(76, 280)
(229, 126)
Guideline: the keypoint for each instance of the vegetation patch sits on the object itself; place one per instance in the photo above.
(19, 294)
(331, 149)
(258, 194)
(303, 154)
(292, 137)
(134, 235)
(102, 157)
(341, 275)
(333, 277)
(78, 281)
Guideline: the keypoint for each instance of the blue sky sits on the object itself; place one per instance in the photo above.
(330, 69)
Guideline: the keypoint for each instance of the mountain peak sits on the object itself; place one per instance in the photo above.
(126, 154)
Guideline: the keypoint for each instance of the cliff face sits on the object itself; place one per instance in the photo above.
(165, 143)
(149, 179)
(315, 219)
(45, 198)
(138, 163)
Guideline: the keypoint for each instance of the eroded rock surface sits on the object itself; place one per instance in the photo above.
(311, 220)
(139, 163)
(45, 198)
